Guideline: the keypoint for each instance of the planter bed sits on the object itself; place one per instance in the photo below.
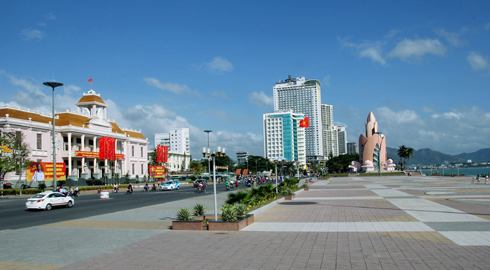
(287, 197)
(197, 224)
(241, 223)
(194, 225)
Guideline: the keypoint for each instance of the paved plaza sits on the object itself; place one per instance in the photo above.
(389, 222)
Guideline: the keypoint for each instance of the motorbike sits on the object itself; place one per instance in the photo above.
(228, 187)
(153, 188)
(74, 193)
(115, 190)
(200, 190)
(249, 184)
(130, 191)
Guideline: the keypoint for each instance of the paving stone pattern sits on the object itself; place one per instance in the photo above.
(389, 222)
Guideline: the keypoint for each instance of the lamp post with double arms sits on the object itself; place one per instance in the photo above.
(53, 85)
(209, 161)
(220, 152)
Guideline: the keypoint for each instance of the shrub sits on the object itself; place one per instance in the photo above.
(199, 210)
(229, 213)
(42, 186)
(240, 209)
(286, 192)
(305, 185)
(184, 214)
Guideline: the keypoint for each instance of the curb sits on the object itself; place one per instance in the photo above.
(256, 211)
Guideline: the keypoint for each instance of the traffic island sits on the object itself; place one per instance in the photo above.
(287, 197)
(192, 225)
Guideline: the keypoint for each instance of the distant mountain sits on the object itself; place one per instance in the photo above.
(481, 155)
(428, 156)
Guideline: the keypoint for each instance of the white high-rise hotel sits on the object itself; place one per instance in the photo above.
(299, 95)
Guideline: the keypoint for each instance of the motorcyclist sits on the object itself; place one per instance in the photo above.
(202, 186)
(130, 188)
(146, 187)
(154, 187)
(115, 188)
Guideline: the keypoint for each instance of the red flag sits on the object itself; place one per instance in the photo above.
(102, 148)
(305, 122)
(165, 154)
(90, 80)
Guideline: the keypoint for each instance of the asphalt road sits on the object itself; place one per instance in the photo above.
(14, 216)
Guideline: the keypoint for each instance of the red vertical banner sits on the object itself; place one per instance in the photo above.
(159, 155)
(101, 148)
(165, 154)
(112, 153)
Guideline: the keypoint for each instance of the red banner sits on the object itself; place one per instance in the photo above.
(45, 172)
(162, 154)
(165, 154)
(157, 171)
(89, 154)
(107, 148)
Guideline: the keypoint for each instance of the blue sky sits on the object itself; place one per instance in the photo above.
(422, 68)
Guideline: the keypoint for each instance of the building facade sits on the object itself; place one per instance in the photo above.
(342, 139)
(352, 148)
(242, 157)
(177, 140)
(283, 137)
(177, 162)
(303, 96)
(77, 136)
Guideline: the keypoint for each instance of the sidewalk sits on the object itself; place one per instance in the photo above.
(342, 223)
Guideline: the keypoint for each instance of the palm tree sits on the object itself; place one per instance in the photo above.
(405, 153)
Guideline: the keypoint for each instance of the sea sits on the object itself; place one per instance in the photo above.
(465, 171)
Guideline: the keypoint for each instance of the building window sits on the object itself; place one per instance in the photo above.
(39, 141)
(132, 154)
(133, 168)
(141, 156)
(142, 169)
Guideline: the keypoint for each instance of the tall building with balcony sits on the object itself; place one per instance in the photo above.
(78, 136)
(301, 96)
(242, 157)
(342, 139)
(283, 137)
(177, 140)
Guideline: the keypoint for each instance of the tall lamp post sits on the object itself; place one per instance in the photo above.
(220, 152)
(275, 161)
(53, 85)
(382, 135)
(209, 162)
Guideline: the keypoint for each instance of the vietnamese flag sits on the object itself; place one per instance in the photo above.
(305, 122)
(90, 80)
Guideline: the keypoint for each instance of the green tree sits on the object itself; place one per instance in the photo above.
(13, 147)
(196, 167)
(341, 163)
(405, 153)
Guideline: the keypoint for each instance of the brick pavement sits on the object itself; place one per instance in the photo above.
(344, 223)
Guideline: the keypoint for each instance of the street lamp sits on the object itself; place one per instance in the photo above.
(53, 85)
(382, 135)
(220, 152)
(209, 165)
(275, 161)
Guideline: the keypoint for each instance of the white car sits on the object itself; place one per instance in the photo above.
(171, 185)
(48, 199)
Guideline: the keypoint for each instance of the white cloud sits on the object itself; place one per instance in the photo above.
(427, 109)
(487, 26)
(29, 34)
(392, 33)
(374, 54)
(408, 48)
(261, 99)
(477, 61)
(175, 88)
(220, 94)
(50, 16)
(456, 131)
(70, 89)
(326, 80)
(451, 38)
(218, 64)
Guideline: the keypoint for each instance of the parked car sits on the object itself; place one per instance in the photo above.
(198, 181)
(171, 185)
(48, 199)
